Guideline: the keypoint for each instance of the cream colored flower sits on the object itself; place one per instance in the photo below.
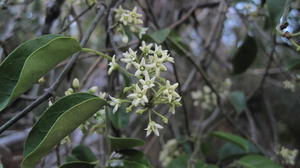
(170, 92)
(129, 58)
(147, 82)
(139, 96)
(153, 127)
(142, 67)
(115, 102)
(146, 49)
(113, 65)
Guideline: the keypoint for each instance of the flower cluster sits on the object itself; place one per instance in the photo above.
(289, 156)
(208, 99)
(149, 89)
(131, 20)
(170, 150)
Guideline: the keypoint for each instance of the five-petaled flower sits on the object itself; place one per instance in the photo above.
(139, 96)
(153, 127)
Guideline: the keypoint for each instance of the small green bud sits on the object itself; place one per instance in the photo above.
(93, 89)
(41, 80)
(75, 83)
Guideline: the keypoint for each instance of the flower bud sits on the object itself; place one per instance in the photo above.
(75, 83)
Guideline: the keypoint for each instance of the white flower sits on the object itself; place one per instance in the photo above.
(102, 95)
(170, 91)
(129, 58)
(113, 65)
(119, 12)
(142, 67)
(174, 104)
(288, 155)
(289, 85)
(147, 82)
(159, 51)
(139, 96)
(142, 31)
(115, 102)
(158, 64)
(146, 49)
(206, 89)
(153, 127)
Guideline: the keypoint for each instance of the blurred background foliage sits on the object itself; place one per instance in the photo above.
(234, 40)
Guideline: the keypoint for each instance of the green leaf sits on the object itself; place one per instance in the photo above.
(275, 8)
(245, 56)
(293, 64)
(77, 164)
(237, 140)
(120, 118)
(238, 100)
(82, 153)
(257, 161)
(29, 62)
(124, 143)
(230, 150)
(182, 162)
(134, 155)
(158, 36)
(58, 121)
(125, 164)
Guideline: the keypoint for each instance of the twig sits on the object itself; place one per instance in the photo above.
(76, 18)
(55, 85)
(191, 11)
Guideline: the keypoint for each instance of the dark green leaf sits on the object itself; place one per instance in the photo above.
(159, 36)
(82, 153)
(238, 100)
(293, 64)
(125, 164)
(275, 8)
(77, 164)
(124, 143)
(134, 155)
(245, 56)
(57, 122)
(29, 62)
(237, 140)
(182, 162)
(257, 161)
(120, 118)
(230, 150)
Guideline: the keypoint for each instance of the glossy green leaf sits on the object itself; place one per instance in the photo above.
(30, 61)
(77, 164)
(275, 9)
(82, 153)
(124, 143)
(120, 118)
(237, 140)
(158, 36)
(257, 161)
(238, 101)
(57, 122)
(125, 164)
(134, 155)
(230, 150)
(245, 56)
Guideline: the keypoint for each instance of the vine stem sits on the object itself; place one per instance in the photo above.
(49, 92)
